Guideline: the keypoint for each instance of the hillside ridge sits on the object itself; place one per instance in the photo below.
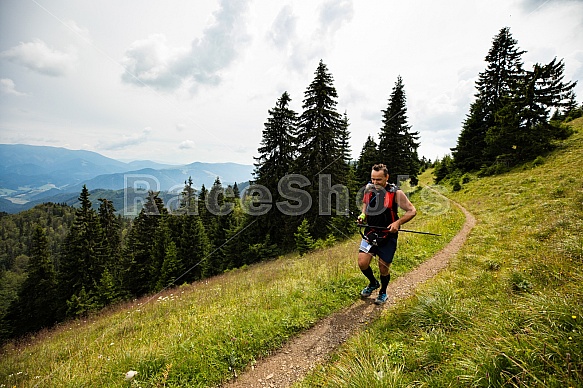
(304, 352)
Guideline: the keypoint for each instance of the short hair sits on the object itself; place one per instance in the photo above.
(381, 167)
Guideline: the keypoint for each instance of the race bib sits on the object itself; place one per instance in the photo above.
(365, 246)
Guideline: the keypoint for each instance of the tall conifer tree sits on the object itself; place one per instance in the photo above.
(522, 129)
(138, 250)
(341, 224)
(494, 86)
(221, 218)
(193, 244)
(36, 306)
(277, 150)
(398, 144)
(82, 264)
(320, 133)
(369, 156)
(275, 160)
(112, 276)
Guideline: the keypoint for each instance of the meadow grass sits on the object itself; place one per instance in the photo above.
(202, 334)
(508, 312)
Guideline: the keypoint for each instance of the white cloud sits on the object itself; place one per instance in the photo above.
(283, 29)
(38, 57)
(80, 31)
(535, 5)
(306, 50)
(7, 87)
(186, 145)
(151, 62)
(333, 14)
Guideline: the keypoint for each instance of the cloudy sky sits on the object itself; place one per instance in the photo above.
(183, 81)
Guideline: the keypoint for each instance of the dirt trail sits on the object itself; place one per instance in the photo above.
(302, 353)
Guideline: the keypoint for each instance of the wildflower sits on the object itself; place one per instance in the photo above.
(574, 316)
(130, 374)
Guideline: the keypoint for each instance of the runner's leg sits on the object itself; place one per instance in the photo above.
(364, 265)
(384, 268)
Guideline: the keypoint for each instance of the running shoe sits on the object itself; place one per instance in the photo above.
(381, 298)
(367, 291)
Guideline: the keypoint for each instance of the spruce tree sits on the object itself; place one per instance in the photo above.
(345, 151)
(138, 251)
(494, 86)
(471, 143)
(443, 168)
(572, 109)
(109, 289)
(303, 238)
(320, 133)
(188, 199)
(522, 128)
(275, 160)
(36, 305)
(236, 191)
(205, 216)
(221, 221)
(398, 144)
(192, 241)
(342, 225)
(159, 254)
(369, 156)
(193, 247)
(82, 263)
(110, 226)
(111, 243)
(278, 144)
(502, 74)
(171, 267)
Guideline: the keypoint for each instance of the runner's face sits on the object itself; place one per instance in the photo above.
(378, 178)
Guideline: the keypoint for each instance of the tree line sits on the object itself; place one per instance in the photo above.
(98, 257)
(510, 120)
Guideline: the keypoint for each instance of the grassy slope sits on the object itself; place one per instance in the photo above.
(508, 311)
(197, 335)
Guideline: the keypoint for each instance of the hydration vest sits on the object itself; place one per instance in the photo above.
(381, 210)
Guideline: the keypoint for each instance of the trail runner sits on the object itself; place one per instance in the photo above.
(379, 208)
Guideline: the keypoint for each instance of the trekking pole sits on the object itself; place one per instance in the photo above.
(400, 230)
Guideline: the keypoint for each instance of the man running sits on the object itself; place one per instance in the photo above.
(379, 208)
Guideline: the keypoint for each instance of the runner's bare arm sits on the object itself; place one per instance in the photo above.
(407, 206)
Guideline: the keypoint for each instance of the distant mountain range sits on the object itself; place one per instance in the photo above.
(34, 174)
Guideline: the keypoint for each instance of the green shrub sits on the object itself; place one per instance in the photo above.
(538, 161)
(304, 241)
(519, 282)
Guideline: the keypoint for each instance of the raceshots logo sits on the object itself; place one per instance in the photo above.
(295, 196)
